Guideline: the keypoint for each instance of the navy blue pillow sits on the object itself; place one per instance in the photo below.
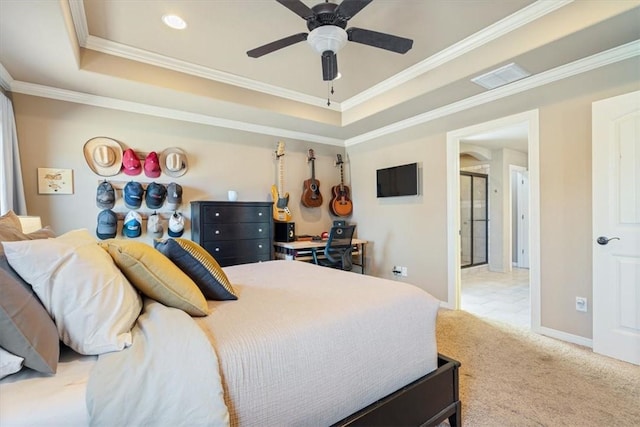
(200, 266)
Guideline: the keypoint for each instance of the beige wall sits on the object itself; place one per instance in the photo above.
(52, 134)
(412, 231)
(407, 231)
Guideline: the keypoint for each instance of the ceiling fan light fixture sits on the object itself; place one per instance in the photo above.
(327, 37)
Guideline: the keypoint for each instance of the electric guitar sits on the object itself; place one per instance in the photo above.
(340, 203)
(280, 201)
(311, 196)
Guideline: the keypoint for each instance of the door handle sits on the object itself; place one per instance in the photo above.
(602, 240)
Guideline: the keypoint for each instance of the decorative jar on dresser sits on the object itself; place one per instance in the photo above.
(233, 232)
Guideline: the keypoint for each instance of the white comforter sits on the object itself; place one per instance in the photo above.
(302, 346)
(167, 377)
(307, 346)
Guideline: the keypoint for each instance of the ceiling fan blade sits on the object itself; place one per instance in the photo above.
(329, 65)
(349, 8)
(297, 7)
(381, 40)
(278, 44)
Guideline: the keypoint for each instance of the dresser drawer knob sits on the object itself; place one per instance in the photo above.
(259, 213)
(260, 230)
(260, 246)
(217, 249)
(217, 232)
(217, 213)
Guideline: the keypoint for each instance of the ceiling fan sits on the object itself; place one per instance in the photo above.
(327, 35)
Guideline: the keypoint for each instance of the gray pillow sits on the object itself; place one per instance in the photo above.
(26, 329)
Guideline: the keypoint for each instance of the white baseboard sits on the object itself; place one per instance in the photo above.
(564, 336)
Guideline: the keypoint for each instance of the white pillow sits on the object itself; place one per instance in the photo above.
(91, 302)
(9, 363)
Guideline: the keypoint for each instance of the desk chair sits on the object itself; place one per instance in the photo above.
(338, 249)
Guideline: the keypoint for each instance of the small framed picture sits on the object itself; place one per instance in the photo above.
(55, 181)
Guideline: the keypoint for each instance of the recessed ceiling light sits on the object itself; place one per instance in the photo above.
(174, 21)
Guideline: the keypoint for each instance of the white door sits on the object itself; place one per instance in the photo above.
(616, 227)
(523, 218)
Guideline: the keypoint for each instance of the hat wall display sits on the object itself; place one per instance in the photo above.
(154, 226)
(131, 163)
(132, 194)
(105, 195)
(174, 196)
(103, 155)
(132, 225)
(152, 165)
(107, 224)
(156, 193)
(176, 225)
(174, 162)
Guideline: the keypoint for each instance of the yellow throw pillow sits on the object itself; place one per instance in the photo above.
(156, 276)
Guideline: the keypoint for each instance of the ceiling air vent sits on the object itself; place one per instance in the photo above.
(501, 76)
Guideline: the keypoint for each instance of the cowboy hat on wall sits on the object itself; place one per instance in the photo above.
(173, 162)
(103, 155)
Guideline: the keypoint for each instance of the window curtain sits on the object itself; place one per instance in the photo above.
(11, 186)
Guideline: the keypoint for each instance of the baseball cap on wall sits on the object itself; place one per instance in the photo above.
(107, 224)
(176, 225)
(105, 196)
(132, 194)
(174, 196)
(154, 226)
(132, 225)
(131, 163)
(152, 165)
(156, 193)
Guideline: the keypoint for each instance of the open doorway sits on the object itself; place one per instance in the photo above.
(511, 249)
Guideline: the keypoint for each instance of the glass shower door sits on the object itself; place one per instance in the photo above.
(474, 220)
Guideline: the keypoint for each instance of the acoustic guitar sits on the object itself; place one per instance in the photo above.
(341, 204)
(281, 211)
(311, 196)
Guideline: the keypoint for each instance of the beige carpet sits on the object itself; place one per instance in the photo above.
(512, 377)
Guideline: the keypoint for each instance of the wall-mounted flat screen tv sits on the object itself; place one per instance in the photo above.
(397, 181)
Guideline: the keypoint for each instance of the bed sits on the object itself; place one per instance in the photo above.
(302, 345)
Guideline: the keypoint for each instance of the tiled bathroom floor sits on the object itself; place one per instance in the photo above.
(498, 296)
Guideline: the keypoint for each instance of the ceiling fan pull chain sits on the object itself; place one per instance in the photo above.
(329, 94)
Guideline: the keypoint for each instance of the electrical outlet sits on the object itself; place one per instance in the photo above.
(396, 270)
(581, 304)
(403, 271)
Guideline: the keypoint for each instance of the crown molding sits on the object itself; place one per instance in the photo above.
(5, 79)
(498, 29)
(168, 113)
(580, 66)
(602, 59)
(139, 55)
(79, 18)
(504, 26)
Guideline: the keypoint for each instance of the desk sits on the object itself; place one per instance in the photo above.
(300, 250)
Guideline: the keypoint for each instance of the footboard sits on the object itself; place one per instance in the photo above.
(425, 402)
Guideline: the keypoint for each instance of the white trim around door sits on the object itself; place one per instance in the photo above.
(453, 207)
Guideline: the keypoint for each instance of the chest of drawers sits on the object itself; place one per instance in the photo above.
(233, 232)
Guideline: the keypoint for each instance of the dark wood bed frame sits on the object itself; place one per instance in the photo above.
(428, 401)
